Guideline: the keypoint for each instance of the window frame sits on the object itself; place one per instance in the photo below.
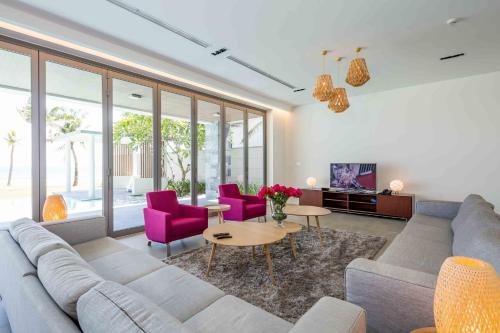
(39, 55)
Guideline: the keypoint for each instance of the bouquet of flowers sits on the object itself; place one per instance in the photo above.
(278, 195)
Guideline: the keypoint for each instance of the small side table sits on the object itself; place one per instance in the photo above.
(291, 228)
(218, 208)
(425, 330)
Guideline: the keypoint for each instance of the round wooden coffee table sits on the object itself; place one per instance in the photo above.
(308, 211)
(245, 234)
(291, 229)
(218, 208)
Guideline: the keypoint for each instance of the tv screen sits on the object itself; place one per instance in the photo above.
(353, 176)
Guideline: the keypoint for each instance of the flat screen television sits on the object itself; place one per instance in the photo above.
(353, 176)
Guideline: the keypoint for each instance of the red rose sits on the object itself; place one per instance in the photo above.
(262, 193)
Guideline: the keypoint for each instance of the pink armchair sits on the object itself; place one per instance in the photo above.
(243, 207)
(166, 220)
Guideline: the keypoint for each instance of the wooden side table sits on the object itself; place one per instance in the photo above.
(291, 228)
(307, 211)
(218, 208)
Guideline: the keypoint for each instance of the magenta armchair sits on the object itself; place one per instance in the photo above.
(243, 207)
(166, 220)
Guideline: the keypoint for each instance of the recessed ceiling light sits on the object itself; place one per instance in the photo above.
(135, 96)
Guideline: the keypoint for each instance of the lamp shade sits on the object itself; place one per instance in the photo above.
(323, 91)
(467, 297)
(396, 185)
(54, 208)
(357, 74)
(339, 102)
(311, 182)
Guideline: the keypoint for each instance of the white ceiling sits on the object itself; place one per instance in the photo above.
(404, 39)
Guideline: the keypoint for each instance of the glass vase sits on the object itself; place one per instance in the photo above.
(277, 213)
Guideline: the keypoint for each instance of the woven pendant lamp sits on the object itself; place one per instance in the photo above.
(357, 74)
(323, 90)
(339, 102)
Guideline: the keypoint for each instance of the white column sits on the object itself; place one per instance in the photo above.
(91, 151)
(68, 166)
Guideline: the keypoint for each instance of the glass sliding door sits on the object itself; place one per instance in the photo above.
(132, 151)
(208, 153)
(256, 151)
(16, 134)
(74, 135)
(176, 143)
(234, 133)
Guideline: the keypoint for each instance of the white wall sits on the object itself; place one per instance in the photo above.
(277, 126)
(442, 139)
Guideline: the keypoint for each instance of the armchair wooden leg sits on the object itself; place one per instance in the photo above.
(149, 243)
(168, 249)
(265, 220)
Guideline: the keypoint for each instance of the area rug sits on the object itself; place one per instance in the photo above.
(318, 270)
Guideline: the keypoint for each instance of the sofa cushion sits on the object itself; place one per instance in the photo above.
(432, 221)
(470, 204)
(176, 291)
(484, 245)
(428, 232)
(164, 201)
(98, 248)
(479, 237)
(231, 314)
(66, 277)
(416, 253)
(37, 241)
(112, 308)
(187, 225)
(125, 266)
(18, 226)
(255, 209)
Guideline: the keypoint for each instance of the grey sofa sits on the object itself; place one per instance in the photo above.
(397, 289)
(69, 277)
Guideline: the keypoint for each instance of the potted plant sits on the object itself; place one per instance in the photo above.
(278, 195)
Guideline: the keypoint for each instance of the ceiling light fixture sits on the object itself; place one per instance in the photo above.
(357, 74)
(135, 96)
(339, 103)
(323, 91)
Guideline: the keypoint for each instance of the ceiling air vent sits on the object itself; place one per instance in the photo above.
(452, 56)
(179, 32)
(260, 71)
(219, 51)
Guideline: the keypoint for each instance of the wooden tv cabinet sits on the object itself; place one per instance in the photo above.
(393, 206)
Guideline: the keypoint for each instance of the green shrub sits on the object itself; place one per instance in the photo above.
(183, 187)
(253, 189)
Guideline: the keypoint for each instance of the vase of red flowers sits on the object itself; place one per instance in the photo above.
(278, 195)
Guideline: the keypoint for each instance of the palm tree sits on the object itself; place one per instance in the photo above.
(61, 121)
(12, 140)
(64, 121)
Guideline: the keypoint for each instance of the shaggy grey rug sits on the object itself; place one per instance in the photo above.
(318, 270)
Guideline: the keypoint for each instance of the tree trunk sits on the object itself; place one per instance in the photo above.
(11, 165)
(73, 152)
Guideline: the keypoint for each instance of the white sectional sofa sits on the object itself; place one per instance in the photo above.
(69, 277)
